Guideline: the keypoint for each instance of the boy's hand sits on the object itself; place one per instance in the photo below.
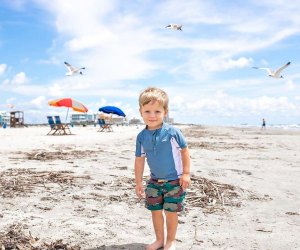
(139, 189)
(185, 181)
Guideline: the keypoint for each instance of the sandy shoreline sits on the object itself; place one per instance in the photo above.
(79, 188)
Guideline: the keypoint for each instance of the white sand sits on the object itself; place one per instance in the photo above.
(95, 214)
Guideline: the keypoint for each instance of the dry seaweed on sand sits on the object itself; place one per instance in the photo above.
(60, 154)
(17, 182)
(204, 193)
(195, 132)
(16, 239)
(207, 194)
(212, 196)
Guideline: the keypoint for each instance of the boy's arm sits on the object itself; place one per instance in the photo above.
(139, 165)
(186, 162)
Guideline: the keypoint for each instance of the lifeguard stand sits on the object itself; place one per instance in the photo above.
(16, 119)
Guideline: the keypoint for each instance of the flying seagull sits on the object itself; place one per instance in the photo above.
(275, 73)
(174, 27)
(72, 70)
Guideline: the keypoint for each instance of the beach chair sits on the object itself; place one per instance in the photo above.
(54, 128)
(104, 126)
(63, 127)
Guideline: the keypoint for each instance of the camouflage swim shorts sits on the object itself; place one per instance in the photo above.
(164, 195)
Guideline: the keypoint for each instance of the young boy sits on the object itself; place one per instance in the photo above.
(169, 161)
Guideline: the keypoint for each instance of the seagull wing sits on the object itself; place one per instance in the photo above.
(278, 71)
(70, 67)
(269, 70)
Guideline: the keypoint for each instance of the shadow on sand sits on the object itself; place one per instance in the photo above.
(133, 246)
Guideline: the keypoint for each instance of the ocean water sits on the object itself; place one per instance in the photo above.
(275, 126)
(285, 126)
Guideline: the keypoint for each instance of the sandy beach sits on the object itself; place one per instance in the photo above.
(79, 188)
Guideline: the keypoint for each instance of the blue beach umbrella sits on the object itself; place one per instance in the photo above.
(112, 110)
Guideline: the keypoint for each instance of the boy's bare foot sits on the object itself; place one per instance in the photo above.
(170, 246)
(155, 245)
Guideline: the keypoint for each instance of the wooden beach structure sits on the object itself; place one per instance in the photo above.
(16, 119)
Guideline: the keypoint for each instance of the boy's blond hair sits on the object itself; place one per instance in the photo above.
(154, 94)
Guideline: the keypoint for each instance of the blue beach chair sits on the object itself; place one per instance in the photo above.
(54, 129)
(104, 126)
(63, 127)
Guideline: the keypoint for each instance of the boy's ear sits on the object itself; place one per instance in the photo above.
(140, 111)
(166, 112)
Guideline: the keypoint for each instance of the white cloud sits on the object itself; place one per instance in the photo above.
(290, 85)
(90, 41)
(222, 64)
(112, 48)
(176, 102)
(3, 68)
(5, 82)
(80, 18)
(39, 101)
(271, 104)
(223, 105)
(19, 79)
(55, 90)
(10, 100)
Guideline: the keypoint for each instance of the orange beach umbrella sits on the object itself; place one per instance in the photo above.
(68, 103)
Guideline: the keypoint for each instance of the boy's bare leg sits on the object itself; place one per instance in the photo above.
(158, 224)
(172, 222)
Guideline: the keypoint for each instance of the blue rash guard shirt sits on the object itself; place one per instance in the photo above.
(162, 148)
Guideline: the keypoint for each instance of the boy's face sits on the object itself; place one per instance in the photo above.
(153, 114)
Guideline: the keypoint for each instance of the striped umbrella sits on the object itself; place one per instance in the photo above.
(69, 103)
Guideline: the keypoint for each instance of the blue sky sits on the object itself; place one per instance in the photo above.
(124, 45)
